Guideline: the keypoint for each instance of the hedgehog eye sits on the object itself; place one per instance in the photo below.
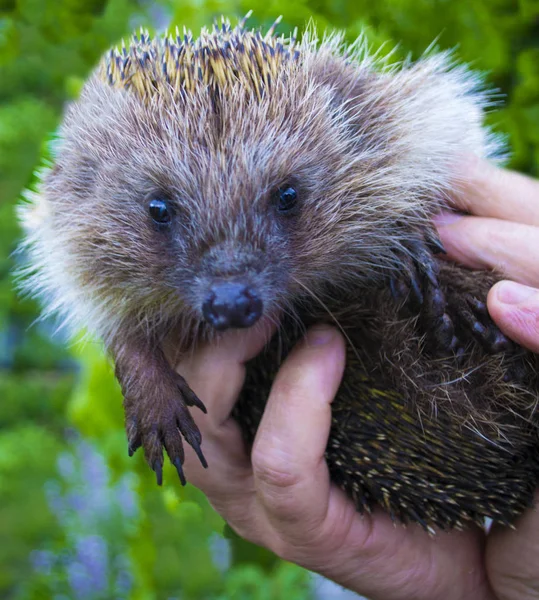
(287, 198)
(160, 211)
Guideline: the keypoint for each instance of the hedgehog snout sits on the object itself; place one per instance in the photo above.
(232, 304)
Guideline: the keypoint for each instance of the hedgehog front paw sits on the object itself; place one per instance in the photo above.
(418, 292)
(419, 269)
(161, 422)
(447, 323)
(476, 323)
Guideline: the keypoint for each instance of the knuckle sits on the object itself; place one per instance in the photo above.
(277, 488)
(272, 470)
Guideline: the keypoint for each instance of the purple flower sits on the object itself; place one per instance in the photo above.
(42, 561)
(92, 554)
(97, 518)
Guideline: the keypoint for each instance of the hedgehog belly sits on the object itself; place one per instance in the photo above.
(441, 442)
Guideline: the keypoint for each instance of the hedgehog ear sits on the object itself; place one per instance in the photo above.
(78, 176)
(347, 86)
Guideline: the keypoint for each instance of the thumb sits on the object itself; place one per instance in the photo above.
(216, 371)
(515, 308)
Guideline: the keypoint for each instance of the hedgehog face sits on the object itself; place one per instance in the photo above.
(225, 178)
(221, 210)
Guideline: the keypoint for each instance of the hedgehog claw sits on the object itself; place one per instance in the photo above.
(432, 274)
(434, 243)
(416, 290)
(190, 398)
(399, 290)
(133, 439)
(423, 295)
(198, 451)
(478, 307)
(158, 468)
(499, 343)
(421, 288)
(133, 446)
(178, 464)
(444, 333)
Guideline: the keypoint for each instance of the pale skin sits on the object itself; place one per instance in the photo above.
(281, 497)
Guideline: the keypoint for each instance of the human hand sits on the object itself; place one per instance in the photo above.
(503, 234)
(281, 496)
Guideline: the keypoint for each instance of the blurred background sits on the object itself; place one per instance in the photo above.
(78, 519)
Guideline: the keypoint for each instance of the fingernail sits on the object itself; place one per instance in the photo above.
(510, 292)
(319, 335)
(447, 218)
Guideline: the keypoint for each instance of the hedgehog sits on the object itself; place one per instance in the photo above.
(200, 185)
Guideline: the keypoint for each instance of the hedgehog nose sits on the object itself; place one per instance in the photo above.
(231, 304)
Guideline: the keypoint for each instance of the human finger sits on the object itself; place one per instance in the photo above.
(230, 486)
(512, 558)
(215, 372)
(511, 249)
(488, 191)
(314, 524)
(515, 309)
(289, 467)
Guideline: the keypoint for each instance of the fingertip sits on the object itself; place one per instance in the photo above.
(512, 293)
(447, 217)
(324, 347)
(241, 345)
(319, 335)
(463, 238)
(475, 178)
(216, 370)
(484, 188)
(323, 335)
(515, 309)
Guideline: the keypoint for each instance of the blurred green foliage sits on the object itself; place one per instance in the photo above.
(78, 519)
